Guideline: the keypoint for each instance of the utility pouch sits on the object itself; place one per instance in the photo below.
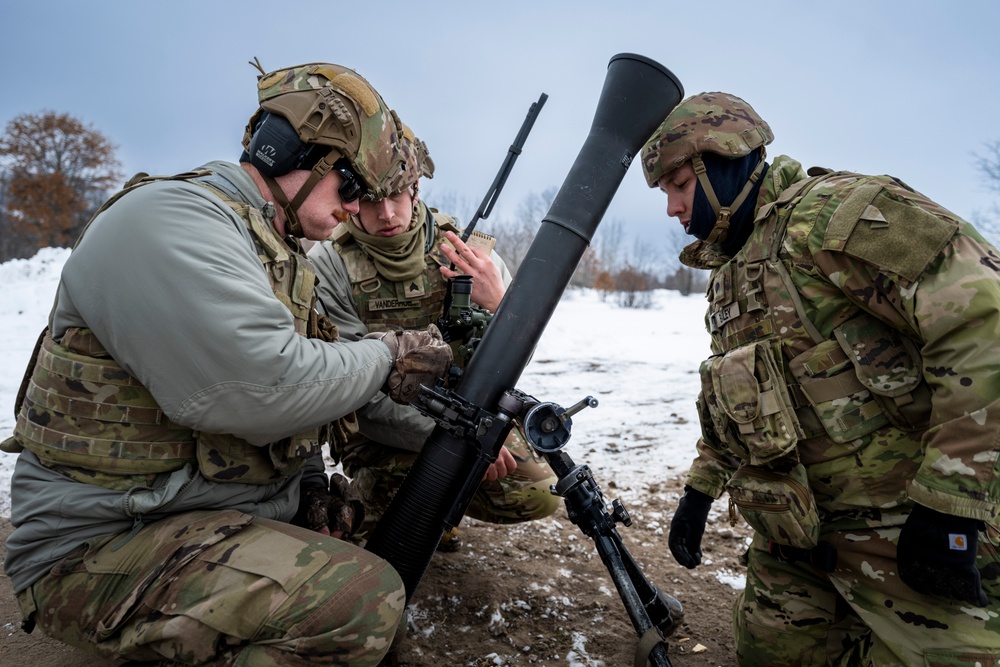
(778, 505)
(226, 458)
(826, 378)
(749, 389)
(889, 365)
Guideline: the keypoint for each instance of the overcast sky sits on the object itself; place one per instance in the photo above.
(909, 88)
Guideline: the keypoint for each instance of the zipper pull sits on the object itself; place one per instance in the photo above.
(137, 525)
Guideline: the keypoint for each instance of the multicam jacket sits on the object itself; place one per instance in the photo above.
(359, 300)
(857, 331)
(173, 284)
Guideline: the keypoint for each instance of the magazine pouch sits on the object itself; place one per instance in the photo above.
(749, 389)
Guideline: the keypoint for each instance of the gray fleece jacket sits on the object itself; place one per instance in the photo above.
(169, 280)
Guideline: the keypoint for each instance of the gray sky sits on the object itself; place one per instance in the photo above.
(905, 87)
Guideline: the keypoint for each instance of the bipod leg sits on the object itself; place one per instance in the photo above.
(610, 550)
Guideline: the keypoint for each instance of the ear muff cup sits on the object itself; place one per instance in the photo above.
(275, 147)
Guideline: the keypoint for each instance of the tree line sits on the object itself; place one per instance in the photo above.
(622, 267)
(56, 171)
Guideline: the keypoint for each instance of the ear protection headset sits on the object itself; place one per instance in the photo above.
(276, 149)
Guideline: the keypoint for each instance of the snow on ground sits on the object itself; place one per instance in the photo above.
(640, 364)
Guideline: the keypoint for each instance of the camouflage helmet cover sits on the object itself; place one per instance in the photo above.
(417, 161)
(705, 123)
(335, 106)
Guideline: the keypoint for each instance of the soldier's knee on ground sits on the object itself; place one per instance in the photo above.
(354, 622)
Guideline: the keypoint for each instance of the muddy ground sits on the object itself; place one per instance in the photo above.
(534, 594)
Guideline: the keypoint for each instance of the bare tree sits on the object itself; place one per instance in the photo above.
(636, 280)
(988, 222)
(449, 202)
(515, 234)
(989, 166)
(608, 242)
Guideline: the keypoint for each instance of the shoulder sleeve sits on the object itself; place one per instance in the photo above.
(889, 227)
(930, 275)
(956, 304)
(394, 425)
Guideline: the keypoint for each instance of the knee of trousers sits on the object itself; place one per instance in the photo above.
(514, 499)
(355, 621)
(762, 646)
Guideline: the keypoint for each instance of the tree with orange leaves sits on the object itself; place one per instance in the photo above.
(55, 172)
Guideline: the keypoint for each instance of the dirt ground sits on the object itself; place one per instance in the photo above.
(534, 594)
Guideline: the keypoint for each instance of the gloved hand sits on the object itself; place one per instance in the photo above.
(419, 357)
(687, 527)
(337, 510)
(936, 555)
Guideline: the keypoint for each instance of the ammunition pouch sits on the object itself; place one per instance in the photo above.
(748, 403)
(226, 458)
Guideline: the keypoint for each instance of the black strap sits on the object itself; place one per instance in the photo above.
(429, 231)
(823, 556)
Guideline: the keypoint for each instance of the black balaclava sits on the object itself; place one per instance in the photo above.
(728, 177)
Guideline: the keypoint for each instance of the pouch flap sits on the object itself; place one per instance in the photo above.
(885, 362)
(735, 372)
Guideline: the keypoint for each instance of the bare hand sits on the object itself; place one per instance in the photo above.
(487, 283)
(503, 466)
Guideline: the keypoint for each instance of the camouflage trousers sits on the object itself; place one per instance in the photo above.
(521, 496)
(221, 588)
(861, 614)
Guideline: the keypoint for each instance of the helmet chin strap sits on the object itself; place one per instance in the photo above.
(723, 213)
(293, 226)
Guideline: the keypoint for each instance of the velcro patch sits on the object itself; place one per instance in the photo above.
(888, 228)
(359, 91)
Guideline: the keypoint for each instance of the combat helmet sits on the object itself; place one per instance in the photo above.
(417, 163)
(320, 116)
(714, 122)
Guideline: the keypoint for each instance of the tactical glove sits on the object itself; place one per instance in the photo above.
(936, 555)
(337, 508)
(419, 357)
(687, 527)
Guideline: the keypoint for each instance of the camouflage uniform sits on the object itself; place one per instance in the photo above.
(853, 373)
(376, 466)
(154, 485)
(221, 588)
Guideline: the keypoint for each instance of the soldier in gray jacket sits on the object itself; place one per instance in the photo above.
(169, 423)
